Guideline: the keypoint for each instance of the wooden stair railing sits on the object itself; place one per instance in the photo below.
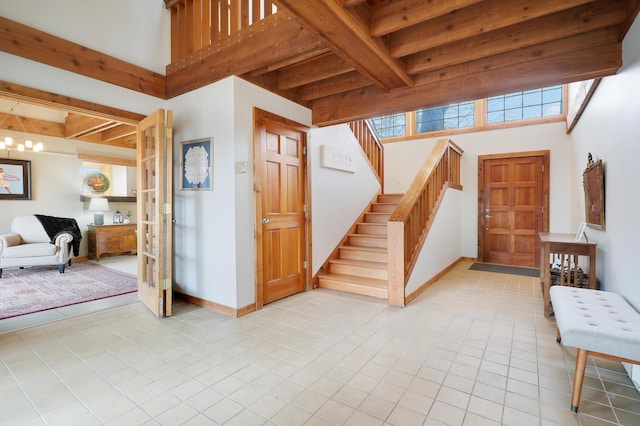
(198, 24)
(372, 147)
(409, 225)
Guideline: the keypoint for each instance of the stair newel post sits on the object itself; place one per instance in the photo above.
(395, 236)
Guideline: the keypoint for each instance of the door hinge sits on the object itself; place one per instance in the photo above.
(166, 132)
(165, 284)
(305, 264)
(165, 208)
(304, 208)
(304, 150)
(543, 168)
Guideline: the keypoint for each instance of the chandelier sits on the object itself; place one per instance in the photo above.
(20, 144)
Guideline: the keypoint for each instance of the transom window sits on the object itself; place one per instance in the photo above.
(513, 109)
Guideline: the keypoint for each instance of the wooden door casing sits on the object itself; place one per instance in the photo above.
(513, 199)
(281, 223)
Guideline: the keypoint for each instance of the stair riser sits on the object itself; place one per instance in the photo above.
(383, 208)
(369, 256)
(377, 217)
(359, 271)
(363, 241)
(390, 198)
(354, 288)
(371, 229)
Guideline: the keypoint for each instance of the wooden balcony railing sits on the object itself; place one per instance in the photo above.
(409, 225)
(196, 24)
(371, 145)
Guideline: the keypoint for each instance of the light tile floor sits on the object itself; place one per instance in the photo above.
(474, 349)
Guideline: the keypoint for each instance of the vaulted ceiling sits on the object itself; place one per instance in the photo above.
(352, 59)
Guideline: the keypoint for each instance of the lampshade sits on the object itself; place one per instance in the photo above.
(98, 204)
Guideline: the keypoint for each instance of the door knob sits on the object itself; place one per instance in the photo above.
(265, 221)
(486, 216)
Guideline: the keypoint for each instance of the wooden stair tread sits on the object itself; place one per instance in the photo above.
(362, 263)
(365, 248)
(353, 279)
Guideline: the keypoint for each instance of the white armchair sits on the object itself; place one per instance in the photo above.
(30, 245)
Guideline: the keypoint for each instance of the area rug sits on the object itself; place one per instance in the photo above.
(39, 288)
(505, 269)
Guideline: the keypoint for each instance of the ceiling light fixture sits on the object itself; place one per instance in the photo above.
(20, 144)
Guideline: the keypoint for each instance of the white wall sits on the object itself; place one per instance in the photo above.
(138, 32)
(403, 159)
(608, 130)
(443, 245)
(214, 230)
(338, 196)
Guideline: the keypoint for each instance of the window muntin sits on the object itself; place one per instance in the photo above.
(452, 116)
(389, 126)
(524, 105)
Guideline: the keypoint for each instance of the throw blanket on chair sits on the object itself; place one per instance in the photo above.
(54, 226)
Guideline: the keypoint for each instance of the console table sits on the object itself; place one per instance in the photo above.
(112, 239)
(569, 250)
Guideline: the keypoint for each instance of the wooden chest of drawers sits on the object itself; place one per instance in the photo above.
(112, 239)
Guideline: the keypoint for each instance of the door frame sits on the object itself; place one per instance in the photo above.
(258, 116)
(545, 154)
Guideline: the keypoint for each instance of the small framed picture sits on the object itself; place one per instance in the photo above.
(15, 179)
(196, 158)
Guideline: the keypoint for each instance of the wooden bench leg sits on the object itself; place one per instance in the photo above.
(581, 364)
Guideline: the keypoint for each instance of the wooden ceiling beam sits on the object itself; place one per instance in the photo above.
(66, 103)
(393, 16)
(544, 71)
(472, 21)
(32, 127)
(79, 125)
(530, 33)
(348, 36)
(342, 83)
(555, 48)
(292, 60)
(30, 43)
(311, 71)
(117, 132)
(280, 37)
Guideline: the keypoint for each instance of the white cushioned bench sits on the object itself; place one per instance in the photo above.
(599, 323)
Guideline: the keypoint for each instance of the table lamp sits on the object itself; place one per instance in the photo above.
(98, 205)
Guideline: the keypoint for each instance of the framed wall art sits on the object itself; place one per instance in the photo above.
(593, 181)
(195, 165)
(15, 179)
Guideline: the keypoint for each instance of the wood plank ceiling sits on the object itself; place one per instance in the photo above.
(353, 59)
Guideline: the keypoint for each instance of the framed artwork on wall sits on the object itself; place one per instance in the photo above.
(15, 179)
(195, 165)
(593, 181)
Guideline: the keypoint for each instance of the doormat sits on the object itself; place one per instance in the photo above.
(40, 288)
(505, 269)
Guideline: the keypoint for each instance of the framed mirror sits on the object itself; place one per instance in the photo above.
(593, 181)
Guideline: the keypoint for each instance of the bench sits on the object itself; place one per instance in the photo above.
(597, 323)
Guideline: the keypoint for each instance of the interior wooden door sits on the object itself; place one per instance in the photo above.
(512, 208)
(155, 192)
(280, 207)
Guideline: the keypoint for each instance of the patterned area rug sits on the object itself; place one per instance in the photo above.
(39, 288)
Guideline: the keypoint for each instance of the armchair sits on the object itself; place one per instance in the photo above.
(29, 244)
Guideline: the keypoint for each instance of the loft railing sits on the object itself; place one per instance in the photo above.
(196, 24)
(372, 147)
(409, 224)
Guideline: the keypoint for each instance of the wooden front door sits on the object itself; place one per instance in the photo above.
(513, 207)
(280, 207)
(155, 225)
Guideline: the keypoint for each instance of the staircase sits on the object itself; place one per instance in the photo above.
(362, 263)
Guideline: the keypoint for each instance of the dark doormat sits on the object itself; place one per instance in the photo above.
(505, 269)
